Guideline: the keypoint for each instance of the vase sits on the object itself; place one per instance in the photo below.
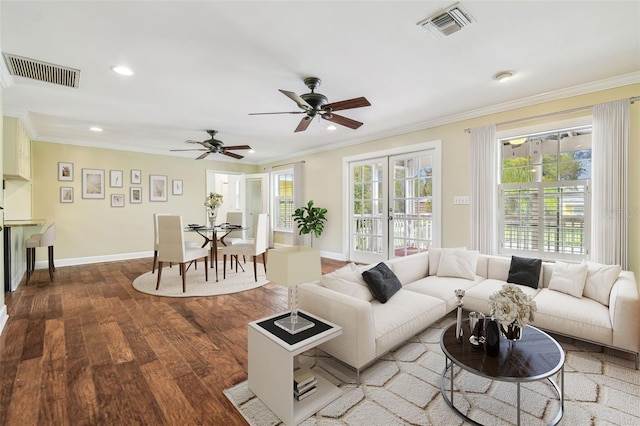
(213, 214)
(512, 331)
(492, 338)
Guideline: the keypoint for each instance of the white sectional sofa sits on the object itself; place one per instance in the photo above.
(371, 328)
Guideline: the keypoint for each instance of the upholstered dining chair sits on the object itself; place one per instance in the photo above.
(192, 244)
(234, 237)
(45, 239)
(253, 249)
(172, 248)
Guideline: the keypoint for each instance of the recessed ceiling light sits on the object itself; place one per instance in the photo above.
(503, 75)
(95, 129)
(331, 127)
(122, 70)
(252, 151)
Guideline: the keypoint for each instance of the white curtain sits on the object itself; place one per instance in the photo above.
(483, 184)
(298, 199)
(610, 180)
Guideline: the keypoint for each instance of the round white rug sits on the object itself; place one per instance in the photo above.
(171, 281)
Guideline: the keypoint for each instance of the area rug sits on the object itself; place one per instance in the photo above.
(171, 281)
(403, 388)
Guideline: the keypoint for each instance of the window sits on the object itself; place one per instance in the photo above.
(283, 202)
(544, 194)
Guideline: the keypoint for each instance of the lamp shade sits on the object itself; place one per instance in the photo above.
(295, 265)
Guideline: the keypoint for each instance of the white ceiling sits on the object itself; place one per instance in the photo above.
(208, 64)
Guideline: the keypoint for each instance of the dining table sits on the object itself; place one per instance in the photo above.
(212, 235)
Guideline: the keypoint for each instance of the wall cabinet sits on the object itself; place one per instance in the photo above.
(16, 150)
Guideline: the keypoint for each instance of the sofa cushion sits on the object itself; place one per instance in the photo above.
(476, 298)
(583, 318)
(410, 268)
(347, 280)
(382, 282)
(403, 316)
(524, 271)
(458, 263)
(600, 281)
(443, 288)
(568, 278)
(434, 259)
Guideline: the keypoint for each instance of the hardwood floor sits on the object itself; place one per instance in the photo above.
(88, 349)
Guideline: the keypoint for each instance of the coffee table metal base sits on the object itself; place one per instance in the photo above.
(449, 400)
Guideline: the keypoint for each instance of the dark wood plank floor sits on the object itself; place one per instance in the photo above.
(88, 349)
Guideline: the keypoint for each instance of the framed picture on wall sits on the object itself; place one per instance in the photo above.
(177, 187)
(117, 200)
(65, 171)
(136, 176)
(135, 195)
(157, 188)
(115, 179)
(66, 194)
(93, 183)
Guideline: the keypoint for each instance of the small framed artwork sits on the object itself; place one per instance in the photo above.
(93, 183)
(135, 195)
(157, 188)
(136, 176)
(66, 194)
(177, 187)
(115, 178)
(117, 200)
(65, 171)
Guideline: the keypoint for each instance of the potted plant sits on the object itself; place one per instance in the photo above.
(310, 220)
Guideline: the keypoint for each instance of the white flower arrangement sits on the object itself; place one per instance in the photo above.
(213, 201)
(511, 304)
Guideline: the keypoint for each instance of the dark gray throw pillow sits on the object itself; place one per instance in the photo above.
(382, 282)
(525, 271)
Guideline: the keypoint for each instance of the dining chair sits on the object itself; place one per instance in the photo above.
(172, 248)
(253, 249)
(155, 240)
(234, 237)
(45, 239)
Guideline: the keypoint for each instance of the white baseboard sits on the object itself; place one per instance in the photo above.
(44, 264)
(4, 317)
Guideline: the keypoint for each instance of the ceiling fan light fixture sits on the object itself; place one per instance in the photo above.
(503, 75)
(122, 70)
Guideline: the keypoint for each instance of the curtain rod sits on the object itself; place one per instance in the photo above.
(285, 164)
(551, 114)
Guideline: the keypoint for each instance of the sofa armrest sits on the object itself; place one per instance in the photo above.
(356, 345)
(624, 309)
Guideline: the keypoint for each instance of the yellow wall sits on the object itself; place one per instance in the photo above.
(89, 228)
(324, 177)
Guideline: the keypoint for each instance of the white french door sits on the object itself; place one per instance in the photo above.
(394, 205)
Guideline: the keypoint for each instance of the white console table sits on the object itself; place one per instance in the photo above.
(272, 353)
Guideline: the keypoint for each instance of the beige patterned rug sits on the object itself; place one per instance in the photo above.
(403, 388)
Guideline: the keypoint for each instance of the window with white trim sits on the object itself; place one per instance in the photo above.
(544, 194)
(283, 201)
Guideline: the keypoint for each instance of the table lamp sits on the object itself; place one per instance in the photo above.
(289, 267)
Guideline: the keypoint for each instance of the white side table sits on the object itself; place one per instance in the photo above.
(272, 353)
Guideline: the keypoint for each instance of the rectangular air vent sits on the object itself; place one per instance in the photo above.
(447, 22)
(42, 71)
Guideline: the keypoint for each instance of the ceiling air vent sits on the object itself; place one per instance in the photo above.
(42, 71)
(447, 22)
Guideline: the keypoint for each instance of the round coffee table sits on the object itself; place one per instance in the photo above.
(535, 357)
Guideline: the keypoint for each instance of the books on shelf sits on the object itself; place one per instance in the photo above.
(302, 376)
(304, 383)
(306, 393)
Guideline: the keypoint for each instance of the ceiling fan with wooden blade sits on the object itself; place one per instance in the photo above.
(215, 146)
(316, 104)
